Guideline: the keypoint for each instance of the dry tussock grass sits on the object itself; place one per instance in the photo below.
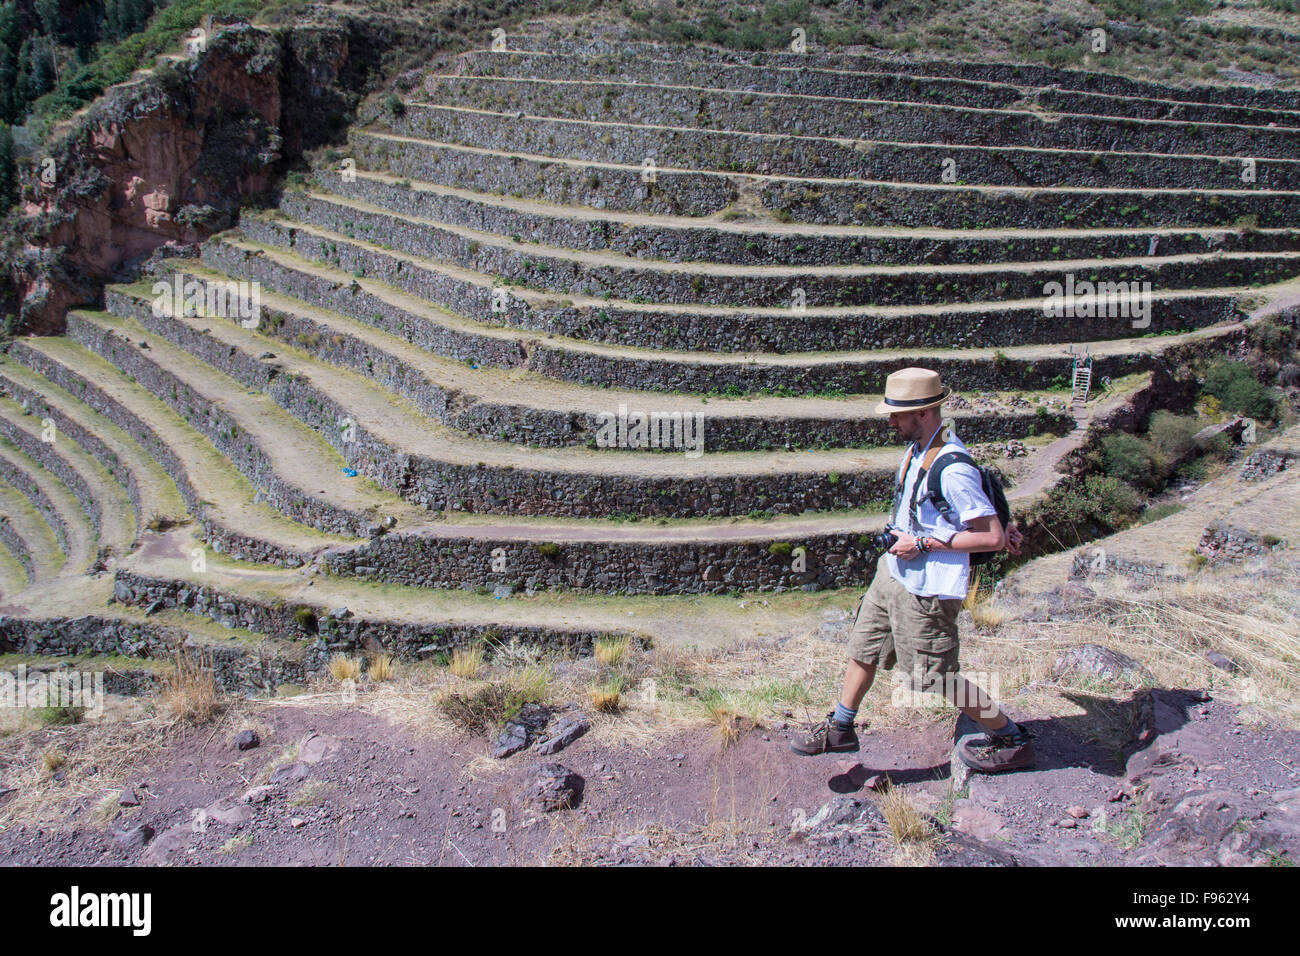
(189, 692)
(342, 667)
(466, 662)
(1249, 613)
(915, 839)
(381, 667)
(610, 651)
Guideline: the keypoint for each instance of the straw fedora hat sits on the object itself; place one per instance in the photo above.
(912, 390)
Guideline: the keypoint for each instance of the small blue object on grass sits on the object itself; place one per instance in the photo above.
(350, 472)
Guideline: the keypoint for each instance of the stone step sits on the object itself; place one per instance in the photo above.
(523, 408)
(897, 338)
(804, 157)
(684, 191)
(761, 112)
(390, 442)
(602, 274)
(756, 242)
(231, 510)
(1017, 74)
(894, 85)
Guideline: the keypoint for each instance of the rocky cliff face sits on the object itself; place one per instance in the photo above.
(168, 159)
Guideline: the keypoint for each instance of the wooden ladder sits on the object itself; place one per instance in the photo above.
(1082, 381)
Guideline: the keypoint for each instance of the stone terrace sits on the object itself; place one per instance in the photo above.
(409, 447)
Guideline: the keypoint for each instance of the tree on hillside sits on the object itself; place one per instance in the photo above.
(8, 173)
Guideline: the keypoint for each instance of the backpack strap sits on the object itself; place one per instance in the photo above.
(934, 491)
(927, 462)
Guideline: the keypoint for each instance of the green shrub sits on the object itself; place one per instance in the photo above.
(547, 549)
(1172, 436)
(1237, 390)
(1112, 500)
(306, 619)
(1130, 459)
(780, 549)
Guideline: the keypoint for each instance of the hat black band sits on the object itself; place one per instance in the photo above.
(910, 402)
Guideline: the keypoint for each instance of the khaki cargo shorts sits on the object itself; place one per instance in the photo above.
(895, 626)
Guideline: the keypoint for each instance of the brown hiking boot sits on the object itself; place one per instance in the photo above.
(994, 753)
(827, 737)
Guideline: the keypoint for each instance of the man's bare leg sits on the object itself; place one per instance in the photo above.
(857, 681)
(971, 700)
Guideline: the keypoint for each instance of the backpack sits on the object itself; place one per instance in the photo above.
(932, 466)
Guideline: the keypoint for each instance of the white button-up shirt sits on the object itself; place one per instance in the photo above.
(944, 574)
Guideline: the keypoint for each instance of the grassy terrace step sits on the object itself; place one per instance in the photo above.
(14, 576)
(871, 119)
(524, 408)
(400, 449)
(664, 557)
(686, 558)
(134, 648)
(1017, 74)
(428, 301)
(851, 372)
(61, 509)
(123, 676)
(825, 157)
(154, 496)
(102, 496)
(750, 241)
(273, 450)
(230, 509)
(875, 85)
(28, 537)
(702, 192)
(594, 551)
(297, 614)
(603, 274)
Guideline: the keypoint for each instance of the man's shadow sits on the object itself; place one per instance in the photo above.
(1102, 738)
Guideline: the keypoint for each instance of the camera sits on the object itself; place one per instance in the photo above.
(883, 541)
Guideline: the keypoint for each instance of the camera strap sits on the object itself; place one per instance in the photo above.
(930, 454)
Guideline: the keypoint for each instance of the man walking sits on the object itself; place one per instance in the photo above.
(908, 616)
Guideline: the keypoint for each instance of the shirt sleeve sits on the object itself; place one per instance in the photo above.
(964, 491)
